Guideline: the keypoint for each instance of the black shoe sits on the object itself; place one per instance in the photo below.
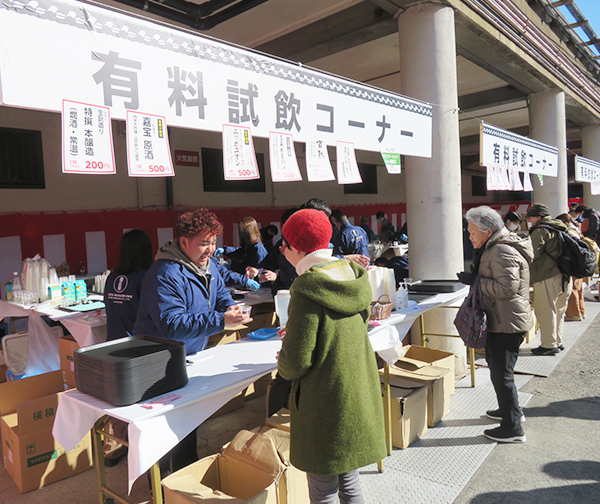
(495, 415)
(502, 435)
(544, 351)
(561, 347)
(111, 462)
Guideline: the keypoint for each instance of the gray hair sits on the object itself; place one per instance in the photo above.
(485, 218)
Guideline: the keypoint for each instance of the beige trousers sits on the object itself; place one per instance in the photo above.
(550, 304)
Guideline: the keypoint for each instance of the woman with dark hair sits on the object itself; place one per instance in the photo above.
(122, 300)
(251, 251)
(123, 285)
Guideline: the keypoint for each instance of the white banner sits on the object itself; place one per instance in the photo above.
(586, 170)
(239, 161)
(347, 168)
(148, 153)
(391, 159)
(318, 166)
(284, 165)
(87, 142)
(82, 52)
(504, 148)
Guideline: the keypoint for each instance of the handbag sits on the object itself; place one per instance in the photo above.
(471, 320)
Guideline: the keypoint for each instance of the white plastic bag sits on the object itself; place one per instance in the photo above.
(42, 348)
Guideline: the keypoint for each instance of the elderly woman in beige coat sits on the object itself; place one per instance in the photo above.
(502, 262)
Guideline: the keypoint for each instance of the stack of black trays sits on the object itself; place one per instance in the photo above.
(435, 286)
(129, 370)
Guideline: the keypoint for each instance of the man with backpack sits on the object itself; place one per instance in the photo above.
(551, 289)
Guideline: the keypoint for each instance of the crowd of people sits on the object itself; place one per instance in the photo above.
(509, 261)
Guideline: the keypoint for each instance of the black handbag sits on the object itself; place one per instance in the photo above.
(471, 320)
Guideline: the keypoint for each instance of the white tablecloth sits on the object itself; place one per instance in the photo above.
(386, 339)
(84, 333)
(216, 376)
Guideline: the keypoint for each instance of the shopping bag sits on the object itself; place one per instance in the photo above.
(471, 320)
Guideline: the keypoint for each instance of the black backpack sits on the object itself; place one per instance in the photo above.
(576, 258)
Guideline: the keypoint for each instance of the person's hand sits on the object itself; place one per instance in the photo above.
(251, 272)
(268, 276)
(363, 260)
(466, 278)
(252, 284)
(219, 251)
(234, 317)
(281, 333)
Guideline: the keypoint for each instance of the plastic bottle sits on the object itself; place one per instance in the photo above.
(17, 291)
(401, 298)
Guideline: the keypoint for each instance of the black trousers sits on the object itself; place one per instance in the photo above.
(501, 352)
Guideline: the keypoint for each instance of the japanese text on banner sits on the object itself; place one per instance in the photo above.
(239, 161)
(87, 139)
(284, 165)
(148, 153)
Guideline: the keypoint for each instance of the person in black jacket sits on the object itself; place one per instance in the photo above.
(593, 220)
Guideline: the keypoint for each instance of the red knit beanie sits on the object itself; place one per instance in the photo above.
(307, 230)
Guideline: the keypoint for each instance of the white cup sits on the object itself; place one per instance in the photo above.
(282, 301)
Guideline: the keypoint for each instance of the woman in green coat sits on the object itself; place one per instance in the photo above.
(335, 401)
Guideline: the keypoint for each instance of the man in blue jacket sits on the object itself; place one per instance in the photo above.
(350, 239)
(183, 295)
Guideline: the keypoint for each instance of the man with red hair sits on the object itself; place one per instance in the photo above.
(183, 295)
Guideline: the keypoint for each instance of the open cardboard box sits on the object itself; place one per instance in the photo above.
(31, 455)
(431, 377)
(66, 346)
(280, 420)
(409, 415)
(247, 472)
(296, 480)
(417, 355)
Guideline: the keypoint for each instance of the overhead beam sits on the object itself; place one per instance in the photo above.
(490, 98)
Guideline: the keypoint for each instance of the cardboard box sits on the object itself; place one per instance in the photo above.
(249, 471)
(31, 455)
(439, 358)
(222, 338)
(66, 346)
(280, 420)
(409, 415)
(431, 377)
(3, 370)
(296, 480)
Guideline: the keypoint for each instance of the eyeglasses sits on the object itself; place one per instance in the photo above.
(285, 245)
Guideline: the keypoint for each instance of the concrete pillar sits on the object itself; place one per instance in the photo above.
(433, 185)
(548, 120)
(590, 147)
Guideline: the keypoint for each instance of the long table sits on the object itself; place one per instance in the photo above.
(216, 375)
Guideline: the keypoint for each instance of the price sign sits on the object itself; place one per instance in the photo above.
(239, 161)
(318, 166)
(148, 152)
(347, 168)
(284, 165)
(86, 139)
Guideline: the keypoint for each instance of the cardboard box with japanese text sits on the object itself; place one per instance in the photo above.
(32, 457)
(249, 471)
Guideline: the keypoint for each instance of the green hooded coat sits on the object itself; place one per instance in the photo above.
(335, 402)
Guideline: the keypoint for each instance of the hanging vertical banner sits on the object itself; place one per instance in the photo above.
(148, 152)
(517, 185)
(318, 166)
(347, 168)
(391, 158)
(527, 186)
(504, 178)
(87, 139)
(284, 165)
(491, 179)
(239, 161)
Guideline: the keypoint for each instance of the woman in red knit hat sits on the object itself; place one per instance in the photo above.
(335, 401)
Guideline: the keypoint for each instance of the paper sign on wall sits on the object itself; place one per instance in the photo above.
(391, 159)
(148, 152)
(491, 182)
(239, 161)
(284, 165)
(517, 185)
(86, 139)
(318, 166)
(347, 168)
